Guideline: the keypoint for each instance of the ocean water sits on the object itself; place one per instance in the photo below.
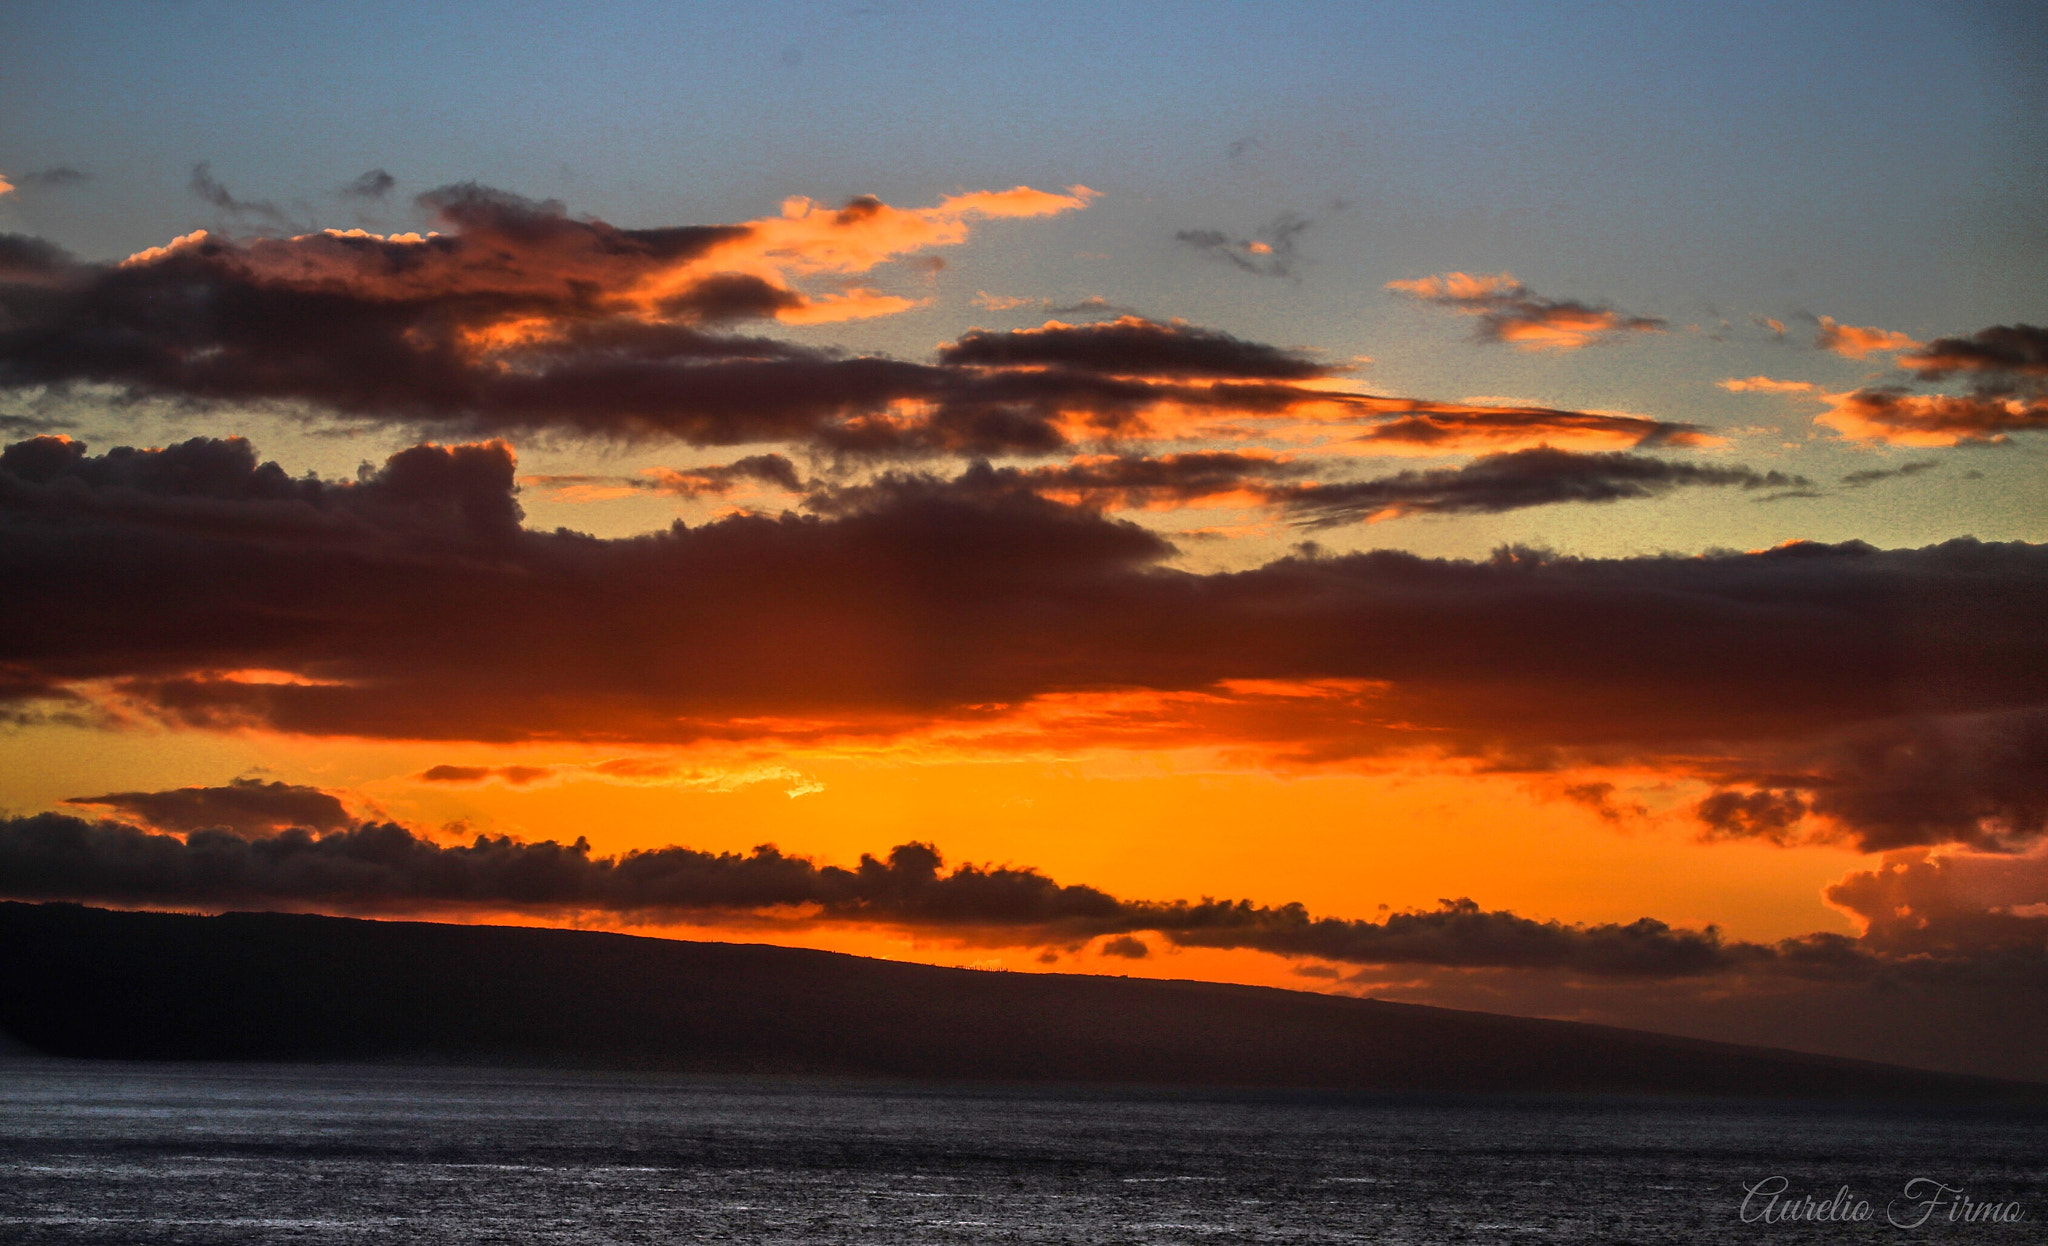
(270, 1153)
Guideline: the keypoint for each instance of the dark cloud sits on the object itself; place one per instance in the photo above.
(412, 603)
(1979, 780)
(767, 469)
(1511, 481)
(1459, 933)
(1452, 428)
(52, 178)
(1510, 312)
(1132, 346)
(1895, 415)
(1270, 252)
(1759, 814)
(691, 482)
(20, 425)
(208, 187)
(244, 807)
(2003, 359)
(1131, 480)
(517, 776)
(730, 296)
(514, 317)
(2005, 366)
(504, 323)
(372, 185)
(1870, 476)
(1931, 921)
(1104, 482)
(1919, 904)
(31, 262)
(1489, 485)
(1599, 797)
(385, 867)
(1093, 305)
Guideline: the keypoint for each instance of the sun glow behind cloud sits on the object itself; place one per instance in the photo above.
(889, 599)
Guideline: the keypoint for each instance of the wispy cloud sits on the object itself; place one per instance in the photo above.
(1854, 342)
(375, 184)
(1766, 385)
(1870, 476)
(1093, 305)
(712, 480)
(53, 178)
(1511, 313)
(1513, 481)
(210, 188)
(1273, 250)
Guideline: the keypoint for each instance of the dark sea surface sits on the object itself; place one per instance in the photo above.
(331, 1154)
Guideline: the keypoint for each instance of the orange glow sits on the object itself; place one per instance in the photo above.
(852, 305)
(1765, 385)
(1855, 342)
(809, 238)
(1927, 419)
(1457, 285)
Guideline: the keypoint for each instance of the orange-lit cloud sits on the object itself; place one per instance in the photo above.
(639, 771)
(2005, 366)
(248, 807)
(413, 604)
(809, 238)
(1907, 419)
(1511, 313)
(503, 247)
(520, 318)
(1766, 385)
(1853, 342)
(1458, 428)
(856, 304)
(1270, 252)
(1134, 346)
(1919, 902)
(2003, 359)
(770, 471)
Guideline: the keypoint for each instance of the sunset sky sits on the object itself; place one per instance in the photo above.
(1517, 507)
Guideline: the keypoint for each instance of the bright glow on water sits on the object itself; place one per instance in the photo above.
(208, 1154)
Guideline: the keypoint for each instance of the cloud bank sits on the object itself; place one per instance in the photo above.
(1900, 692)
(513, 317)
(384, 867)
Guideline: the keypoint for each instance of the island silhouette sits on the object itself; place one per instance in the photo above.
(95, 983)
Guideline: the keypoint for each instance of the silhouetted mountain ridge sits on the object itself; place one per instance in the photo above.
(86, 982)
